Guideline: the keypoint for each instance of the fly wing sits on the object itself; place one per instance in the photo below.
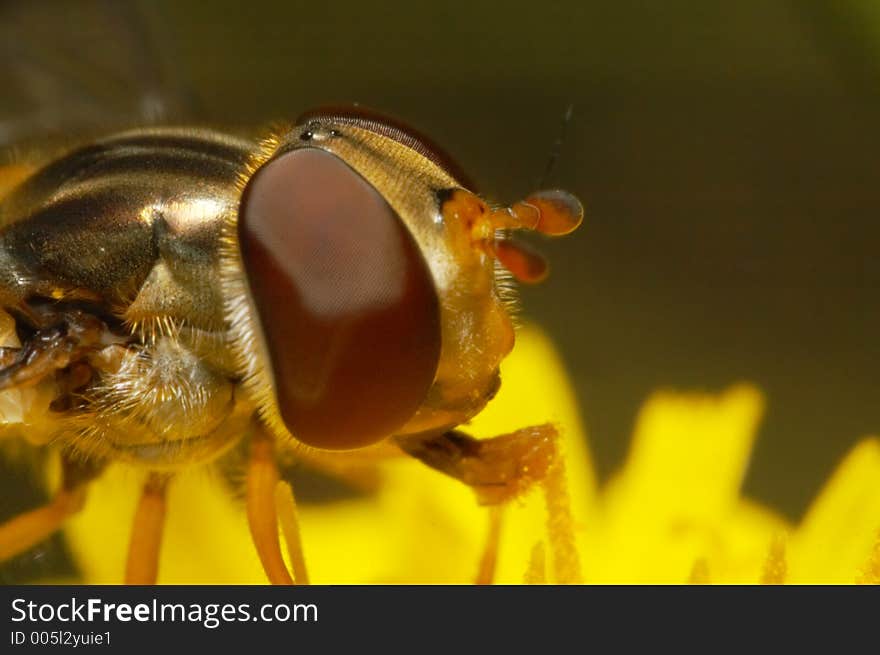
(78, 66)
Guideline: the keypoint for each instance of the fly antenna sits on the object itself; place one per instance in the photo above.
(557, 147)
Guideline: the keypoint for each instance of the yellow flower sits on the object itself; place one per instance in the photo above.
(674, 513)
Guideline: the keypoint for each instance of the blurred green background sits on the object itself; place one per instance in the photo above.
(726, 153)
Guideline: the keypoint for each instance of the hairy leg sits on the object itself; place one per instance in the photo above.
(501, 469)
(497, 469)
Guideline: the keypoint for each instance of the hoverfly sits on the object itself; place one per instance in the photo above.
(334, 287)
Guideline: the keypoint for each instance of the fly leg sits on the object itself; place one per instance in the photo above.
(270, 501)
(489, 558)
(497, 469)
(21, 532)
(142, 566)
(53, 347)
(503, 468)
(262, 513)
(288, 515)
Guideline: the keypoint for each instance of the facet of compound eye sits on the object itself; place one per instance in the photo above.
(346, 302)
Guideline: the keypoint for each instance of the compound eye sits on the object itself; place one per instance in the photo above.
(346, 302)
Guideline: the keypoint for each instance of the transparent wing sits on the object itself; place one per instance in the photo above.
(69, 66)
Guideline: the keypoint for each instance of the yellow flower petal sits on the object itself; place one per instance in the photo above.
(690, 453)
(835, 540)
(676, 504)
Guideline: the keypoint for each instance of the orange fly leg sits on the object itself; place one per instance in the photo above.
(489, 559)
(144, 548)
(262, 483)
(501, 469)
(289, 517)
(26, 530)
(497, 469)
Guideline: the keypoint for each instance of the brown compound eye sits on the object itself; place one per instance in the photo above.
(347, 304)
